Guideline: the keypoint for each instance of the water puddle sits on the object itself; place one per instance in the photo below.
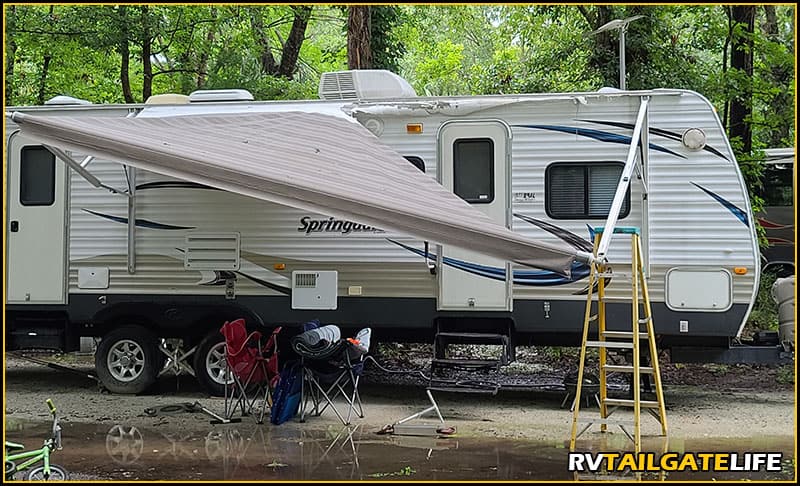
(271, 453)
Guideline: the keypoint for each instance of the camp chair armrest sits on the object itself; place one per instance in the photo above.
(253, 335)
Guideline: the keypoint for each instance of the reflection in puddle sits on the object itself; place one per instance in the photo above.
(265, 452)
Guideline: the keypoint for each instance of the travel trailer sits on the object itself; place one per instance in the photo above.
(777, 217)
(157, 249)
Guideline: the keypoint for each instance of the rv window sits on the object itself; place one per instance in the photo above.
(416, 162)
(473, 170)
(777, 185)
(37, 177)
(583, 190)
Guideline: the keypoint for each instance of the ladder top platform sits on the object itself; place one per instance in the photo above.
(630, 230)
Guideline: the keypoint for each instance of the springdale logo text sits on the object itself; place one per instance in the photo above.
(333, 225)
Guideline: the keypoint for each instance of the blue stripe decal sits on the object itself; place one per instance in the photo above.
(657, 131)
(521, 277)
(141, 223)
(599, 135)
(269, 285)
(176, 184)
(741, 215)
(567, 236)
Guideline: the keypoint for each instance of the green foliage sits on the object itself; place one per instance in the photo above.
(764, 315)
(785, 375)
(406, 471)
(78, 50)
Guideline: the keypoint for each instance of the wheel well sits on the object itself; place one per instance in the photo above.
(188, 322)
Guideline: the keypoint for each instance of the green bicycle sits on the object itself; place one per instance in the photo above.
(31, 459)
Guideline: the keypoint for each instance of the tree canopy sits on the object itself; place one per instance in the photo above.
(740, 57)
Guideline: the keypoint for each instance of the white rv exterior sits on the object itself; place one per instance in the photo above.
(545, 165)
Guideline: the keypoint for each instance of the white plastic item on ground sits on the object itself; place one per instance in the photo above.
(783, 293)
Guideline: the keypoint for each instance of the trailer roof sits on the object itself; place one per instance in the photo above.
(310, 161)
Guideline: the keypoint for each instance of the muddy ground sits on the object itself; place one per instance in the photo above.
(730, 411)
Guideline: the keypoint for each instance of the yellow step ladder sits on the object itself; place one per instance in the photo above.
(622, 340)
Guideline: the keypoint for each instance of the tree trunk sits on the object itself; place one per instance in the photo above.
(727, 106)
(11, 54)
(359, 36)
(43, 80)
(125, 54)
(268, 64)
(291, 50)
(202, 65)
(147, 49)
(604, 57)
(780, 77)
(742, 60)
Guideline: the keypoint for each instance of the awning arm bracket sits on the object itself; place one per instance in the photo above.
(431, 266)
(80, 168)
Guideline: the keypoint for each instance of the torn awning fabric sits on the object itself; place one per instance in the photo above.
(310, 161)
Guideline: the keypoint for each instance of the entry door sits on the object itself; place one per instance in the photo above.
(36, 224)
(473, 164)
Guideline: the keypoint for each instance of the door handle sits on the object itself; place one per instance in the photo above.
(14, 226)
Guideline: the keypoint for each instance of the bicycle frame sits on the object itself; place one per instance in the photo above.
(33, 457)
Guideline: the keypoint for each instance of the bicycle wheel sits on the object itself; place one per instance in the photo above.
(57, 473)
(11, 469)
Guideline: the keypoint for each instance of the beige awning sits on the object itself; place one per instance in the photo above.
(310, 161)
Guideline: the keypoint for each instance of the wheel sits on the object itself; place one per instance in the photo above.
(124, 444)
(209, 364)
(57, 473)
(127, 360)
(11, 469)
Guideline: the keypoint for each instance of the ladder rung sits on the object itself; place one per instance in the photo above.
(605, 421)
(593, 318)
(613, 274)
(606, 298)
(645, 320)
(623, 334)
(609, 344)
(629, 368)
(629, 403)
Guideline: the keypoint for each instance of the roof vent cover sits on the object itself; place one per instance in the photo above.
(363, 84)
(204, 95)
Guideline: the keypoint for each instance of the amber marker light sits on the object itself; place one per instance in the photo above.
(414, 128)
(740, 270)
(279, 266)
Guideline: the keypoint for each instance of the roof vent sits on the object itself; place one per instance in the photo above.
(66, 100)
(167, 99)
(363, 84)
(204, 95)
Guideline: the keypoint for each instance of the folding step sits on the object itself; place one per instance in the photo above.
(443, 339)
(486, 390)
(470, 364)
(609, 344)
(468, 336)
(629, 369)
(619, 402)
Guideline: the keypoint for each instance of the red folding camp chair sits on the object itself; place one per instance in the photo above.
(254, 368)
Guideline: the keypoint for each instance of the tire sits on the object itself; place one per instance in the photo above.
(11, 469)
(57, 473)
(209, 364)
(127, 360)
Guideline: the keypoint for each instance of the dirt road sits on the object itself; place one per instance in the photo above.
(755, 419)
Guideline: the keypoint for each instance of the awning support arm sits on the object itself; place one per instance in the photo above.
(625, 179)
